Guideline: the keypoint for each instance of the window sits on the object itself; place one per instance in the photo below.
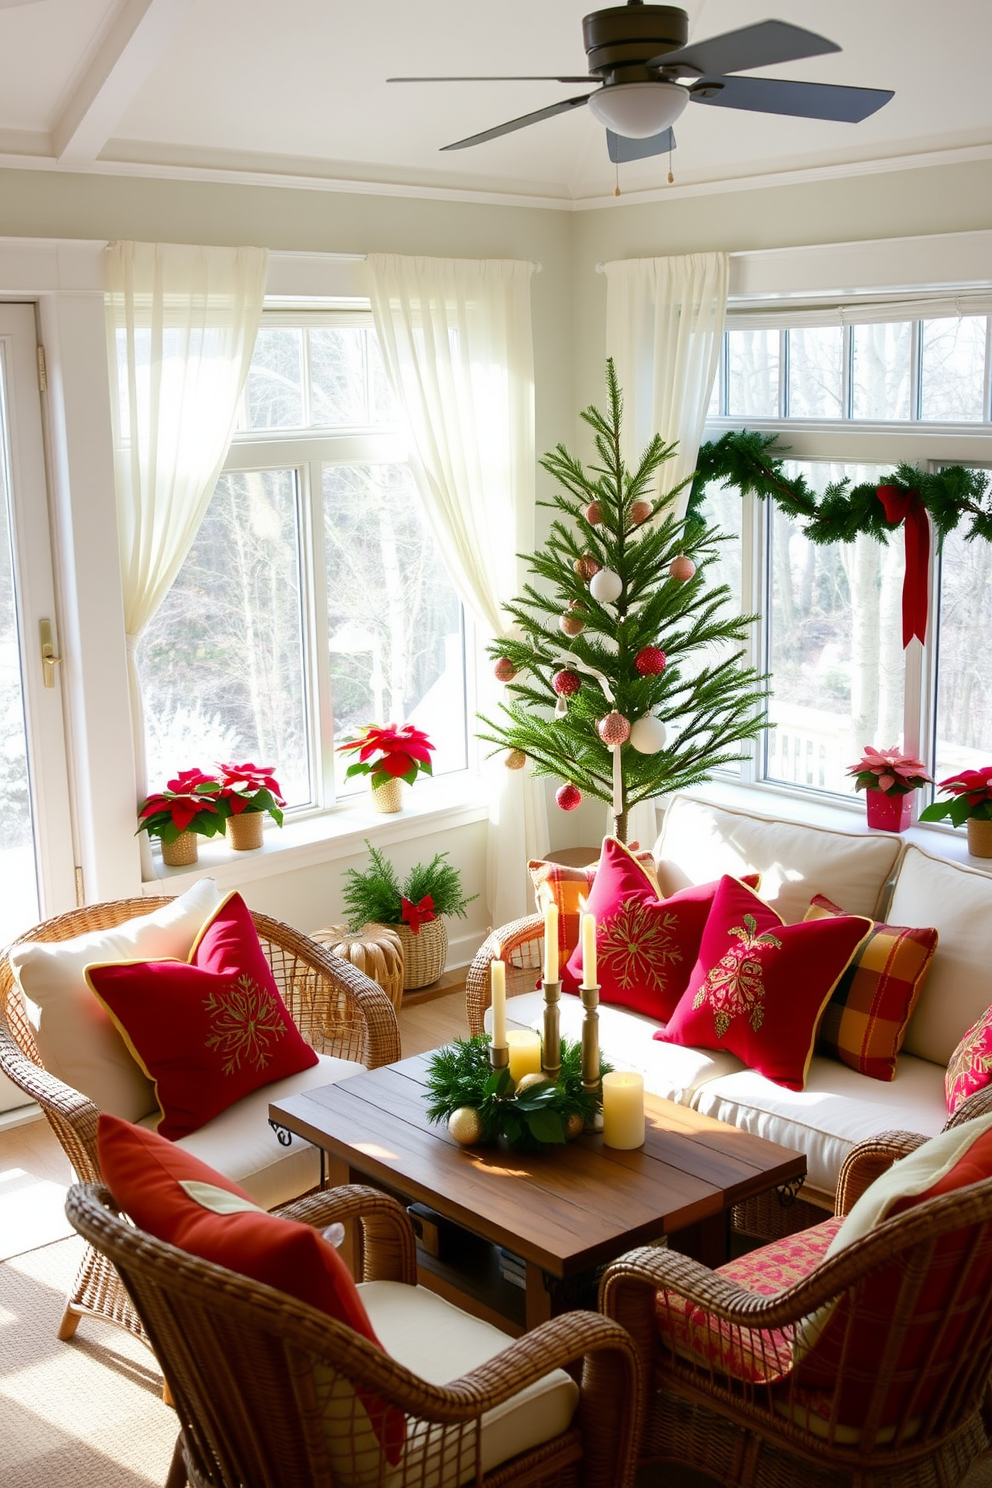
(314, 599)
(851, 393)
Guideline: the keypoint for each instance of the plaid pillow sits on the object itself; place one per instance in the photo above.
(865, 1021)
(568, 888)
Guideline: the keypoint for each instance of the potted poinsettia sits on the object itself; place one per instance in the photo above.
(188, 807)
(388, 755)
(970, 802)
(888, 777)
(247, 793)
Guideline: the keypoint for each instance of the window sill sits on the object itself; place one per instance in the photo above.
(433, 805)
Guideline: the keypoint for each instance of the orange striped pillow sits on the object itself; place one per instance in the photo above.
(865, 1021)
(568, 889)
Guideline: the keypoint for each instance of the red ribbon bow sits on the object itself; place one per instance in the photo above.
(906, 506)
(417, 914)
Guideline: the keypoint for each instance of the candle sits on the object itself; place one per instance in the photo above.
(588, 950)
(525, 1052)
(551, 943)
(497, 982)
(623, 1110)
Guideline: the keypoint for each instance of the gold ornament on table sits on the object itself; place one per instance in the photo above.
(465, 1126)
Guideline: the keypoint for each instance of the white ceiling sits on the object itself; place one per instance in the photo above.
(296, 89)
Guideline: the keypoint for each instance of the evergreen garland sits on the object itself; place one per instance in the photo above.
(461, 1075)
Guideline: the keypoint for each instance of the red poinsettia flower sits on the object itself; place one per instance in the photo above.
(975, 784)
(399, 753)
(175, 811)
(889, 770)
(251, 788)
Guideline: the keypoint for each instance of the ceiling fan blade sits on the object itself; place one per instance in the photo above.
(489, 78)
(762, 45)
(799, 100)
(521, 123)
(622, 149)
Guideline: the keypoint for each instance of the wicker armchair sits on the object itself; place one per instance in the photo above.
(337, 1008)
(244, 1364)
(894, 1391)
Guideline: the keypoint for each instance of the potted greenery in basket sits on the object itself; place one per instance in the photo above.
(247, 792)
(389, 755)
(189, 807)
(970, 803)
(415, 908)
(888, 777)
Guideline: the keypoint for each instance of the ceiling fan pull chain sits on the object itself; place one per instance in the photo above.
(616, 166)
(671, 175)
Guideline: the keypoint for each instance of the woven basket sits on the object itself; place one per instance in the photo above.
(388, 797)
(182, 852)
(244, 832)
(423, 954)
(375, 949)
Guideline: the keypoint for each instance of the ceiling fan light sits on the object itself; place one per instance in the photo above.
(639, 110)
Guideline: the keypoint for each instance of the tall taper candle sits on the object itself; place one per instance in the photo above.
(497, 982)
(551, 943)
(589, 950)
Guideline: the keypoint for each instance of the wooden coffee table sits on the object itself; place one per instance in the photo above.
(564, 1210)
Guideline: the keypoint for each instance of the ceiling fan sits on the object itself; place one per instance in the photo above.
(647, 74)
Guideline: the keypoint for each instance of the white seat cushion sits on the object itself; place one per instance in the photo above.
(957, 901)
(700, 841)
(626, 1041)
(838, 1108)
(76, 1038)
(438, 1342)
(240, 1143)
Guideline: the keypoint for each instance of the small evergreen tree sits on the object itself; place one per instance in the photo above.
(611, 651)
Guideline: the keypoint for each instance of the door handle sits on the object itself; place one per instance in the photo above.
(49, 660)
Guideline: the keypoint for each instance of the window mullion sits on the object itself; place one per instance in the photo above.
(322, 707)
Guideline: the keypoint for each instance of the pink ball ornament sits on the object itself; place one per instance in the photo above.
(650, 661)
(568, 797)
(682, 568)
(566, 683)
(614, 728)
(586, 566)
(594, 514)
(572, 625)
(639, 512)
(505, 670)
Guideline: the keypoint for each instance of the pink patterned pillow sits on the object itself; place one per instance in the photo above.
(970, 1066)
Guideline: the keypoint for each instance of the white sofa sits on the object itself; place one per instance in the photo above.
(873, 874)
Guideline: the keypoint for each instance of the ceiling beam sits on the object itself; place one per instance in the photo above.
(132, 47)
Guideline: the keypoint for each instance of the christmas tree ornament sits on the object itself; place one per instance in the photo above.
(515, 760)
(682, 568)
(606, 586)
(650, 661)
(576, 604)
(648, 734)
(614, 728)
(639, 512)
(574, 1127)
(568, 797)
(594, 514)
(566, 683)
(465, 1126)
(572, 625)
(586, 566)
(505, 670)
(527, 1082)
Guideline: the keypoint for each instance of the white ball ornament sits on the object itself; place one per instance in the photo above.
(606, 586)
(648, 734)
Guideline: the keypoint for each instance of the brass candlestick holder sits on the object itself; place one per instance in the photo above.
(590, 1048)
(551, 1052)
(499, 1058)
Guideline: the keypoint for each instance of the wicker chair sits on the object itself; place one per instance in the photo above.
(337, 1008)
(893, 1392)
(243, 1363)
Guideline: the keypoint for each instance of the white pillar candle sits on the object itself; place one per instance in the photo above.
(623, 1110)
(588, 950)
(551, 943)
(497, 982)
(525, 1052)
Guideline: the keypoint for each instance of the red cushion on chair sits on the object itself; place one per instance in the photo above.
(148, 1177)
(759, 986)
(207, 1031)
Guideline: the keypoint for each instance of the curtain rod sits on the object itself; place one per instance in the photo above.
(362, 257)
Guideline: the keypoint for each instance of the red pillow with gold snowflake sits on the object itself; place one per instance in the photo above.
(646, 947)
(760, 986)
(970, 1066)
(209, 1030)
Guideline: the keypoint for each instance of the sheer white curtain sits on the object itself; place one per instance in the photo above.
(458, 346)
(664, 322)
(181, 326)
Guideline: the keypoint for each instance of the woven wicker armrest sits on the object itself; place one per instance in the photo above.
(518, 944)
(979, 1104)
(868, 1161)
(72, 1115)
(388, 1247)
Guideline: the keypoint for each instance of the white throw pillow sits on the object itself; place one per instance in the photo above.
(77, 1041)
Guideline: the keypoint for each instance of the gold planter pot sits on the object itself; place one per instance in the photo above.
(389, 796)
(182, 852)
(979, 838)
(245, 831)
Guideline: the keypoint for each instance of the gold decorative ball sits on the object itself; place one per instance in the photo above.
(515, 760)
(465, 1126)
(527, 1082)
(574, 1127)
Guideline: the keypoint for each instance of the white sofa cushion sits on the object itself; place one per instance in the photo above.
(439, 1343)
(76, 1037)
(701, 841)
(838, 1108)
(958, 989)
(240, 1143)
